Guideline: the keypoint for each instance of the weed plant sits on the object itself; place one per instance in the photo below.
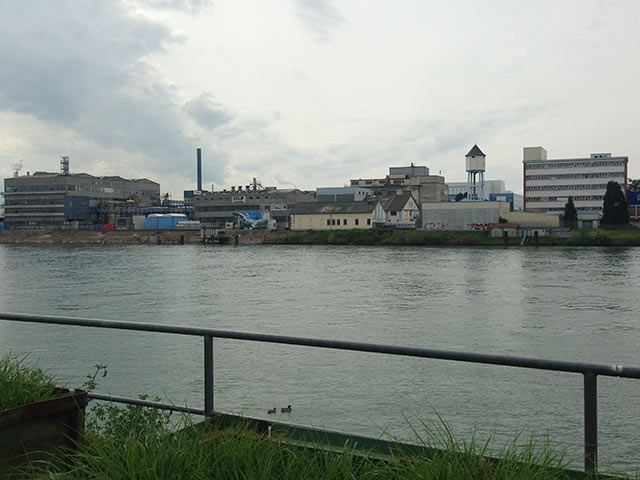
(137, 442)
(134, 442)
(21, 384)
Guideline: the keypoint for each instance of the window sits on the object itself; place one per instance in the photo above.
(368, 221)
(333, 221)
(393, 214)
(344, 222)
(357, 221)
(328, 222)
(338, 221)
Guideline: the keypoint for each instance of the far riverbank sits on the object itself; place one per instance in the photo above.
(370, 237)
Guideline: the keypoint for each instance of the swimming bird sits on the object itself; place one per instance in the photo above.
(286, 409)
(273, 410)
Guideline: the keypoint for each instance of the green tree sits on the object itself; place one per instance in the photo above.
(614, 210)
(570, 217)
(460, 196)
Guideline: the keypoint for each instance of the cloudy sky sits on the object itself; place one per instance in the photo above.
(313, 92)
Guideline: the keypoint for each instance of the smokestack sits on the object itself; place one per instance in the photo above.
(199, 153)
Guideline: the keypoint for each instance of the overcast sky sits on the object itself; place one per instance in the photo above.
(313, 92)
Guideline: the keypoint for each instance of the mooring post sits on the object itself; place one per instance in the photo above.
(590, 421)
(535, 238)
(505, 237)
(208, 375)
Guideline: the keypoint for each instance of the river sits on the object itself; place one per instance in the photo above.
(578, 304)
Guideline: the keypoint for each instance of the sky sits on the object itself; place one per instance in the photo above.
(313, 93)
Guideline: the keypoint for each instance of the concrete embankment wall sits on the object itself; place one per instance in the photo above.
(137, 237)
(150, 237)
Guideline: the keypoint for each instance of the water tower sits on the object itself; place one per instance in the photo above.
(475, 173)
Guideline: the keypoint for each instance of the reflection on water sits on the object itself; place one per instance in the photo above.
(563, 303)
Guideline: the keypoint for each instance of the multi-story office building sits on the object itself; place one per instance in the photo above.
(548, 183)
(51, 200)
(414, 180)
(217, 209)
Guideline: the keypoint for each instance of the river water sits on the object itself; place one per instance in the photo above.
(578, 304)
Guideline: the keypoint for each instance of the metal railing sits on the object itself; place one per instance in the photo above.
(590, 371)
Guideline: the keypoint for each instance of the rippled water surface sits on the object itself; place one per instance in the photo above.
(576, 304)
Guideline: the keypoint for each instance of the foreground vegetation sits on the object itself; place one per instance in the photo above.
(382, 236)
(21, 384)
(143, 443)
(135, 442)
(385, 236)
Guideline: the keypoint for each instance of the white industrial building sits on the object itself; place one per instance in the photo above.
(548, 183)
(490, 186)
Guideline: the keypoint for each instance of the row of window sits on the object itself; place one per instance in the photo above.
(594, 186)
(562, 176)
(599, 163)
(336, 221)
(78, 188)
(48, 200)
(40, 211)
(578, 198)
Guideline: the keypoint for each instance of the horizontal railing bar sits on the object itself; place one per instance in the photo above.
(147, 403)
(504, 360)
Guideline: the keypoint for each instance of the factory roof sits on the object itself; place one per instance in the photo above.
(365, 206)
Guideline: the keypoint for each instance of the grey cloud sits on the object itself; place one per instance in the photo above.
(80, 65)
(319, 17)
(192, 6)
(207, 112)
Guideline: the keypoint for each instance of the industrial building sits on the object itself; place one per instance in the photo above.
(337, 216)
(342, 194)
(548, 183)
(461, 215)
(414, 180)
(490, 186)
(633, 200)
(255, 202)
(476, 215)
(70, 200)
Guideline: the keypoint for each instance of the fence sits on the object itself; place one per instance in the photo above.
(590, 371)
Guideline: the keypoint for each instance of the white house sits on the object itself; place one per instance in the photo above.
(401, 211)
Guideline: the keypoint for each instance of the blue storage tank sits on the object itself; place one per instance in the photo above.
(167, 221)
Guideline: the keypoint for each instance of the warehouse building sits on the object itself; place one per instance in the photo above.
(337, 216)
(221, 209)
(59, 200)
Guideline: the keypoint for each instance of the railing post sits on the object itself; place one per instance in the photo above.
(590, 421)
(208, 375)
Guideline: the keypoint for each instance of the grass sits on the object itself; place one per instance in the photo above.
(21, 384)
(144, 443)
(381, 236)
(136, 442)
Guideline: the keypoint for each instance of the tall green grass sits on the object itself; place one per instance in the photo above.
(137, 443)
(134, 442)
(21, 384)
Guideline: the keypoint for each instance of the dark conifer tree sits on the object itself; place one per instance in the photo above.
(615, 210)
(570, 217)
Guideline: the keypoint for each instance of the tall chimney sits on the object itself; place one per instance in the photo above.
(199, 153)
